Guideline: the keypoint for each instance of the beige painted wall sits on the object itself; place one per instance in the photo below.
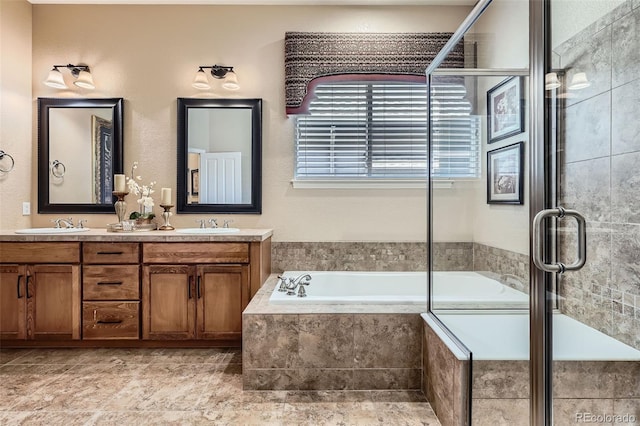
(15, 111)
(504, 27)
(150, 57)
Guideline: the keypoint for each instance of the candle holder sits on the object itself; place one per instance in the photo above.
(165, 215)
(120, 205)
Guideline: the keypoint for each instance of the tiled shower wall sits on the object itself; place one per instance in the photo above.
(600, 175)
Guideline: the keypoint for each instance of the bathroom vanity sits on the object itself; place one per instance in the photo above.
(155, 288)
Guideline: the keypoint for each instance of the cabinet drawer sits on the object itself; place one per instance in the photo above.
(110, 320)
(37, 252)
(111, 282)
(195, 253)
(118, 253)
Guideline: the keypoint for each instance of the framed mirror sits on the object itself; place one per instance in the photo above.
(79, 151)
(219, 156)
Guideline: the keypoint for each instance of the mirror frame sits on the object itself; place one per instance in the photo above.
(44, 106)
(255, 105)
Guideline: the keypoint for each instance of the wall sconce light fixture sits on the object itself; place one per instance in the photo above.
(551, 81)
(554, 80)
(579, 81)
(201, 82)
(81, 73)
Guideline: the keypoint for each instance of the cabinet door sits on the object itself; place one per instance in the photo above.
(168, 302)
(222, 293)
(53, 302)
(12, 302)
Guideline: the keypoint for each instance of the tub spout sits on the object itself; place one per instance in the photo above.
(301, 280)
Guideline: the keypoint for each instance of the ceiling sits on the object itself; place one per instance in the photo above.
(271, 2)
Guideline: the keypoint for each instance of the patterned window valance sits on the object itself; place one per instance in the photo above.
(400, 56)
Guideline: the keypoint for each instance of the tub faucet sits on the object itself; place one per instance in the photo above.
(301, 280)
(282, 283)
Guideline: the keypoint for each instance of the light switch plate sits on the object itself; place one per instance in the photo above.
(26, 208)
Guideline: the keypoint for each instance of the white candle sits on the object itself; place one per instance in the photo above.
(119, 183)
(166, 196)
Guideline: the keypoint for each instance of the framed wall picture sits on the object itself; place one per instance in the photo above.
(505, 182)
(505, 110)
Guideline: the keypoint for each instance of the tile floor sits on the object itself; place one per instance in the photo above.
(176, 386)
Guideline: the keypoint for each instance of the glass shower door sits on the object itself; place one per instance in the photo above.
(592, 89)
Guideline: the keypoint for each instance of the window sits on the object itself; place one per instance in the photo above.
(378, 130)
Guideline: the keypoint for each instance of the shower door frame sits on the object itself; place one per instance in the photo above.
(541, 196)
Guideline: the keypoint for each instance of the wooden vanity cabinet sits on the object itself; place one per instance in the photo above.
(111, 291)
(194, 291)
(39, 291)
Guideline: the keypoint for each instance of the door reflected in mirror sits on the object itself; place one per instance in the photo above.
(80, 147)
(219, 146)
(81, 172)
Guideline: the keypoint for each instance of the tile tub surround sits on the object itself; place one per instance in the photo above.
(512, 266)
(348, 256)
(321, 347)
(400, 256)
(599, 167)
(176, 386)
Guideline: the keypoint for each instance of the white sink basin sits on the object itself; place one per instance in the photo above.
(50, 230)
(207, 230)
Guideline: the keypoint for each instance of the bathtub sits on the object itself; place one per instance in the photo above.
(451, 289)
(505, 336)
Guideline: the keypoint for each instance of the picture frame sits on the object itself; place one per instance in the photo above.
(195, 181)
(505, 110)
(505, 181)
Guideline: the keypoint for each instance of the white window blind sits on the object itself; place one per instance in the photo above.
(379, 130)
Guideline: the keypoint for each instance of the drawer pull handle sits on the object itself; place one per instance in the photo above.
(109, 322)
(27, 286)
(199, 288)
(189, 282)
(110, 252)
(109, 283)
(18, 286)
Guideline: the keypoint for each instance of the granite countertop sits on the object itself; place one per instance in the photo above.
(260, 305)
(244, 235)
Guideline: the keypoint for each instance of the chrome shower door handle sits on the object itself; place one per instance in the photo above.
(538, 240)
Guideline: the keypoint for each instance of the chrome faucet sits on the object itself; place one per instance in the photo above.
(226, 223)
(213, 222)
(301, 280)
(282, 283)
(68, 223)
(201, 223)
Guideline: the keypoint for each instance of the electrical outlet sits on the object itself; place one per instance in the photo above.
(26, 208)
